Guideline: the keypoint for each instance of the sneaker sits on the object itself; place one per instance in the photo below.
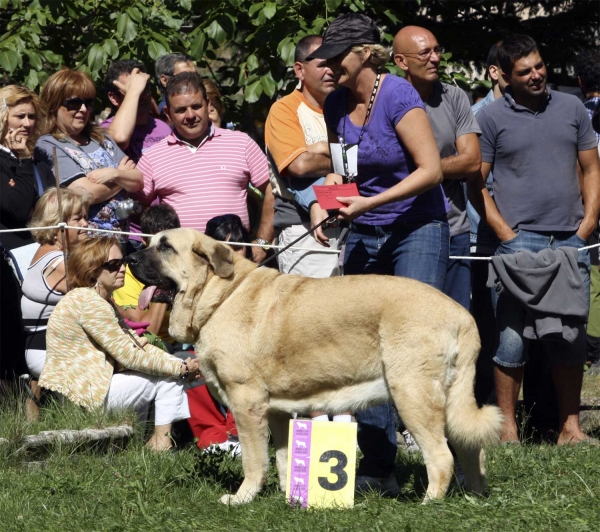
(411, 444)
(386, 486)
(232, 447)
(593, 369)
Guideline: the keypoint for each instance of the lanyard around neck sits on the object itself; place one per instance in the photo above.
(350, 178)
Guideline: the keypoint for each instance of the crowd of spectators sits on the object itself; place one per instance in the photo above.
(516, 173)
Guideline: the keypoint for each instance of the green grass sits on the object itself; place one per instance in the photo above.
(531, 487)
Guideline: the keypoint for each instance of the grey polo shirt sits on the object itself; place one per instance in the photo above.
(450, 115)
(534, 160)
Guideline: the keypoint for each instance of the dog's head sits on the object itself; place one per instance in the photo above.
(183, 260)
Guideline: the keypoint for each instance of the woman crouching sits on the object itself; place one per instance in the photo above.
(95, 361)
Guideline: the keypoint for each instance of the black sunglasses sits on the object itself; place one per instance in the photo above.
(114, 265)
(74, 104)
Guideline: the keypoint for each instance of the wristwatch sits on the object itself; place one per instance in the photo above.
(266, 245)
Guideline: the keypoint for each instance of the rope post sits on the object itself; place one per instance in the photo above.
(61, 218)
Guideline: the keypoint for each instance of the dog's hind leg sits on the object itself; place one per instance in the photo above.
(421, 402)
(472, 460)
(249, 407)
(279, 425)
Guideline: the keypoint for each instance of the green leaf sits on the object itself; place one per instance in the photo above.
(269, 10)
(111, 48)
(253, 92)
(96, 58)
(235, 3)
(198, 45)
(287, 53)
(34, 59)
(32, 80)
(186, 4)
(393, 18)
(254, 8)
(269, 84)
(173, 23)
(332, 5)
(155, 50)
(126, 28)
(135, 14)
(8, 60)
(252, 62)
(216, 32)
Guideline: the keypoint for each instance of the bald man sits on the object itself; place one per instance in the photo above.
(418, 54)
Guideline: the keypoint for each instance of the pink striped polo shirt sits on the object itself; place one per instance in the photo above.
(209, 182)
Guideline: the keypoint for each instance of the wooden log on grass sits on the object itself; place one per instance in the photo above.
(53, 437)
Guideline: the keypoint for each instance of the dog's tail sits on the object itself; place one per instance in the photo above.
(466, 423)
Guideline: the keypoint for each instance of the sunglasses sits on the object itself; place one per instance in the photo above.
(114, 265)
(74, 104)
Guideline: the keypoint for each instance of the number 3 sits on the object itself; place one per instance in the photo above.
(337, 470)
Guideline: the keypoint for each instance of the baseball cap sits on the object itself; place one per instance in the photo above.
(346, 31)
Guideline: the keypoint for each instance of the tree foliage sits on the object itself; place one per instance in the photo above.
(248, 45)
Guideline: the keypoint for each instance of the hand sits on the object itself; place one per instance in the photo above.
(192, 366)
(505, 237)
(258, 254)
(356, 206)
(136, 82)
(102, 176)
(317, 215)
(585, 229)
(126, 164)
(17, 143)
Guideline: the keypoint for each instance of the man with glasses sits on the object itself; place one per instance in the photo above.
(418, 54)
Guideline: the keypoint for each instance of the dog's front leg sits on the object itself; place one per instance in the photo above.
(249, 408)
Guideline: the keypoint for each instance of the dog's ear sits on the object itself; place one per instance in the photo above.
(219, 257)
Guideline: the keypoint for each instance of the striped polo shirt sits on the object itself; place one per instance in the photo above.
(204, 182)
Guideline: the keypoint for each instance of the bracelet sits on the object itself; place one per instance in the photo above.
(186, 374)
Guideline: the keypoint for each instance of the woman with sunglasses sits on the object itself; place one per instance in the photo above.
(87, 158)
(22, 182)
(96, 361)
(398, 221)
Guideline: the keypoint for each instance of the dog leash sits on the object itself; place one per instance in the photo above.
(311, 230)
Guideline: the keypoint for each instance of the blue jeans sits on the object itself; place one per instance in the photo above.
(511, 350)
(416, 251)
(458, 276)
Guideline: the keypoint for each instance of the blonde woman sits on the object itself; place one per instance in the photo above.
(96, 361)
(87, 158)
(45, 280)
(21, 183)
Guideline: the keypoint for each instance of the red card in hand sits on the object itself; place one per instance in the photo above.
(326, 195)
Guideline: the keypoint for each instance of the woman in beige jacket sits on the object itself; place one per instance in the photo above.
(96, 361)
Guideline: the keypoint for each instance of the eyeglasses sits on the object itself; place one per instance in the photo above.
(426, 54)
(74, 104)
(114, 265)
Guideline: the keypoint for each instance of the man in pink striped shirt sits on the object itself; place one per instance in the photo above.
(201, 170)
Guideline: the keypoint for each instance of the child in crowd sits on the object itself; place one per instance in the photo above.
(153, 220)
(211, 423)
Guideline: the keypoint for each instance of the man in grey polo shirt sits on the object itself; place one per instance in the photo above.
(417, 52)
(532, 140)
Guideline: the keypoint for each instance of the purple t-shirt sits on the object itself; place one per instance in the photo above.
(383, 161)
(143, 137)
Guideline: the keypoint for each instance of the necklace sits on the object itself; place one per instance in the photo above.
(350, 178)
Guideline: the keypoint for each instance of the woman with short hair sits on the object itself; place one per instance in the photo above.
(87, 158)
(96, 361)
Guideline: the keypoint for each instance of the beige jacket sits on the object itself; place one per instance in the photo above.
(84, 339)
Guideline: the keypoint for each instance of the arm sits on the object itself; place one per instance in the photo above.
(123, 124)
(98, 193)
(316, 162)
(265, 230)
(126, 176)
(590, 190)
(486, 206)
(415, 133)
(317, 214)
(467, 162)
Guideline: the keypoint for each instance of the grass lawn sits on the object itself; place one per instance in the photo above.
(531, 487)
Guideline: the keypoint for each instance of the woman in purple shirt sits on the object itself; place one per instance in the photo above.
(398, 223)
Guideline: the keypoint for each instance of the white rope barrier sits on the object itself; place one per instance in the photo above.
(63, 225)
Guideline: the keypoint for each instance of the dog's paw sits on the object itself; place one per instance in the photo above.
(231, 500)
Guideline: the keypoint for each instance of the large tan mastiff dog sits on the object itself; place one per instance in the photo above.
(271, 344)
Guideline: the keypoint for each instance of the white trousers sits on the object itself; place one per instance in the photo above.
(308, 263)
(132, 389)
(35, 359)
